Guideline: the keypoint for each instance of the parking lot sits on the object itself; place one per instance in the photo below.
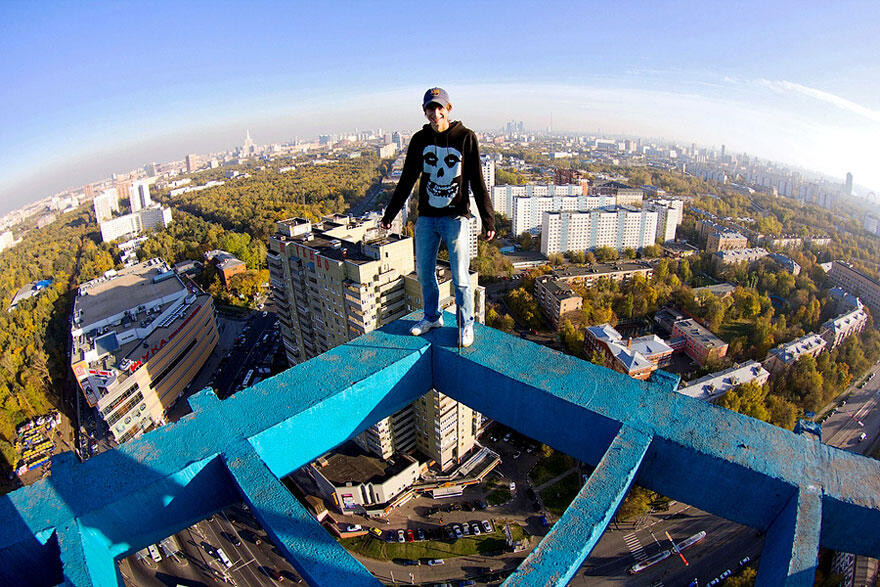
(458, 538)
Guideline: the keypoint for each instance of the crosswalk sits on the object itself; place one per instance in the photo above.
(635, 547)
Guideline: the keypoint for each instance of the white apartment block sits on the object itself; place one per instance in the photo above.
(528, 211)
(487, 166)
(669, 215)
(135, 223)
(106, 204)
(6, 240)
(618, 227)
(503, 195)
(139, 196)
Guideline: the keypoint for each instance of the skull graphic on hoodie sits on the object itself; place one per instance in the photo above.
(443, 168)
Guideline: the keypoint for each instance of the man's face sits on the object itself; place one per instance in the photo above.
(437, 115)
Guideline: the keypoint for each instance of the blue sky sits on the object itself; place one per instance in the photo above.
(100, 87)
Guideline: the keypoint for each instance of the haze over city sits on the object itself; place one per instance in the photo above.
(102, 88)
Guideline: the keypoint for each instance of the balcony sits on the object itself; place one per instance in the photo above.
(802, 493)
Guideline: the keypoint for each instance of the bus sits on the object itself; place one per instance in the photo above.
(223, 558)
(690, 541)
(648, 562)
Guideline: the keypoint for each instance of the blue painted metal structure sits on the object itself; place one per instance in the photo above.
(72, 526)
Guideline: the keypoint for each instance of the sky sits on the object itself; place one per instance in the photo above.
(93, 88)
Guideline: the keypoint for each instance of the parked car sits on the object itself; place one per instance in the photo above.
(353, 528)
(487, 527)
(410, 536)
(400, 536)
(475, 527)
(376, 532)
(457, 529)
(544, 521)
(466, 529)
(435, 561)
(421, 534)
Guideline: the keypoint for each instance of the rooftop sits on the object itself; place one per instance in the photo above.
(129, 288)
(573, 271)
(790, 351)
(697, 331)
(350, 464)
(717, 384)
(803, 494)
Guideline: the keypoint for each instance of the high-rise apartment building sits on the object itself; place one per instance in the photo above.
(192, 162)
(528, 211)
(135, 223)
(626, 195)
(139, 197)
(105, 204)
(139, 337)
(487, 165)
(342, 277)
(669, 215)
(335, 280)
(848, 186)
(503, 195)
(618, 227)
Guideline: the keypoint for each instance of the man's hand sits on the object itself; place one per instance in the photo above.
(490, 234)
(385, 225)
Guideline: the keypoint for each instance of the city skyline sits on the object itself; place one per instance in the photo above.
(123, 85)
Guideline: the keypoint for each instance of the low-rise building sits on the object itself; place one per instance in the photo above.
(739, 256)
(726, 240)
(715, 385)
(720, 290)
(556, 298)
(139, 336)
(786, 263)
(785, 355)
(588, 275)
(227, 265)
(636, 357)
(354, 481)
(700, 344)
(839, 328)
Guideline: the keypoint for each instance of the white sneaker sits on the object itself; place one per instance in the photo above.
(467, 335)
(424, 325)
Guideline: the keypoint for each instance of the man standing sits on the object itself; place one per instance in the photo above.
(444, 156)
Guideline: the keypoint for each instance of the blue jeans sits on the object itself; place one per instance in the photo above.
(454, 232)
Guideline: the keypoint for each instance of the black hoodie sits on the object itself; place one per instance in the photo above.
(447, 163)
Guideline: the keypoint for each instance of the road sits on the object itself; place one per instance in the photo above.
(858, 416)
(726, 543)
(234, 531)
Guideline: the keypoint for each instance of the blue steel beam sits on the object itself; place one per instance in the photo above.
(559, 555)
(318, 557)
(725, 463)
(719, 461)
(791, 549)
(153, 486)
